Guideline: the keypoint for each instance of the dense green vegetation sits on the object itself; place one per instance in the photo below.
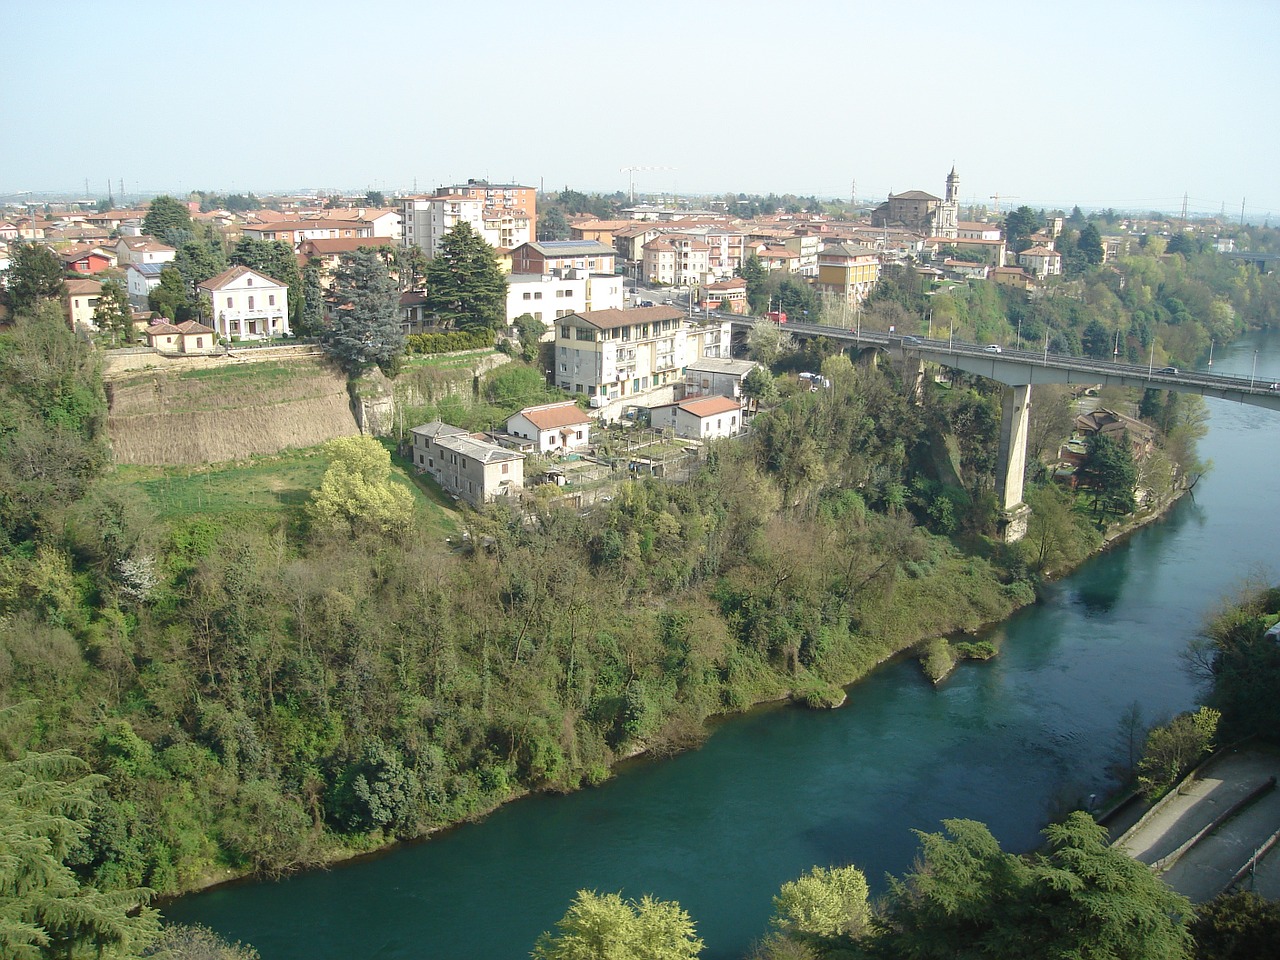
(964, 898)
(263, 684)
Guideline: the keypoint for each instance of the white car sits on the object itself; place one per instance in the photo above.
(991, 348)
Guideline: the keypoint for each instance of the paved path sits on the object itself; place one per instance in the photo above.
(1209, 865)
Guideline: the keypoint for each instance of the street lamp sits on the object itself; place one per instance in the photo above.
(1255, 369)
(1151, 362)
(1211, 356)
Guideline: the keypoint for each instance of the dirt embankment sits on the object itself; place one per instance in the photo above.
(200, 416)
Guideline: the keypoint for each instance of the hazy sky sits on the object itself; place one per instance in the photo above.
(1124, 104)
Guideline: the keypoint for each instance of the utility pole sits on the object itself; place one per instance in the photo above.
(1242, 211)
(1184, 212)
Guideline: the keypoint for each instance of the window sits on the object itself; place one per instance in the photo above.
(271, 300)
(230, 302)
(528, 295)
(564, 330)
(506, 468)
(537, 295)
(248, 281)
(251, 303)
(199, 343)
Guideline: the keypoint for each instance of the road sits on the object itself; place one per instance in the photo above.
(1208, 866)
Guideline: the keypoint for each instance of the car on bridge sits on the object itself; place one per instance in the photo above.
(1169, 371)
(911, 341)
(991, 348)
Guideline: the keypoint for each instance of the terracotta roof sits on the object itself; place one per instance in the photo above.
(82, 287)
(1039, 252)
(608, 319)
(226, 276)
(192, 327)
(915, 195)
(343, 244)
(709, 406)
(549, 416)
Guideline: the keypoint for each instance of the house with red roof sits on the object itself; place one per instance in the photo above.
(555, 427)
(705, 418)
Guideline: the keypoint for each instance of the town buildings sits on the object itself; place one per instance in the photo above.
(503, 214)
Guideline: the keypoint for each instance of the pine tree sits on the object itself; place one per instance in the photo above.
(465, 288)
(113, 316)
(45, 801)
(167, 219)
(35, 273)
(365, 327)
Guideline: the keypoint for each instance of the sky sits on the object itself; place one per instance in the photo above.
(1127, 104)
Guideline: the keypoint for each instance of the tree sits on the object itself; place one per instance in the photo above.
(113, 316)
(364, 327)
(606, 927)
(824, 905)
(179, 941)
(767, 342)
(1019, 225)
(45, 802)
(1238, 926)
(755, 273)
(375, 198)
(166, 219)
(1172, 749)
(198, 260)
(35, 273)
(410, 265)
(1056, 536)
(311, 321)
(172, 297)
(530, 331)
(465, 288)
(552, 225)
(969, 899)
(1089, 244)
(357, 493)
(1108, 470)
(760, 388)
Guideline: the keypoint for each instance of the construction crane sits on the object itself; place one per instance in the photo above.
(631, 179)
(996, 198)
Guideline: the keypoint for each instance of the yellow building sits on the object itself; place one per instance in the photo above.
(848, 271)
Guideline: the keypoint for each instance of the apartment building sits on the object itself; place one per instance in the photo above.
(676, 259)
(466, 466)
(561, 256)
(636, 355)
(426, 220)
(848, 271)
(548, 297)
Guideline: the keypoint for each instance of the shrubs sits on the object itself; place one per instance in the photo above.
(448, 342)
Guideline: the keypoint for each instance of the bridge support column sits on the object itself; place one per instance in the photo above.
(913, 375)
(1012, 464)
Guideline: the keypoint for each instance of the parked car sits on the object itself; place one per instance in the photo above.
(1170, 371)
(992, 348)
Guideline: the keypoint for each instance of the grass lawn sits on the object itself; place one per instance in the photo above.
(259, 488)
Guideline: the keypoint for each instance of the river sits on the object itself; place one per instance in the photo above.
(1011, 742)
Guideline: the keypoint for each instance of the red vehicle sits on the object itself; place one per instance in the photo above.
(777, 316)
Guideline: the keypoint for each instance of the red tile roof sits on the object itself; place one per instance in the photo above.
(710, 406)
(552, 415)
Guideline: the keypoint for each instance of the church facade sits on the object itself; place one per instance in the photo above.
(923, 212)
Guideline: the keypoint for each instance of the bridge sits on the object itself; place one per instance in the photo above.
(1019, 370)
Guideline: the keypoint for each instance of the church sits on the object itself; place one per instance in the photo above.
(923, 212)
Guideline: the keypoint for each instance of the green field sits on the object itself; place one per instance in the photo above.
(256, 489)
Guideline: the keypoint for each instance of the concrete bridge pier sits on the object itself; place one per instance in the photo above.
(913, 377)
(1012, 463)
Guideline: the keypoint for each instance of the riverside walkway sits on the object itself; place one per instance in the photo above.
(1202, 837)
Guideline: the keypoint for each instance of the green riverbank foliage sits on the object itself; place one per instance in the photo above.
(264, 691)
